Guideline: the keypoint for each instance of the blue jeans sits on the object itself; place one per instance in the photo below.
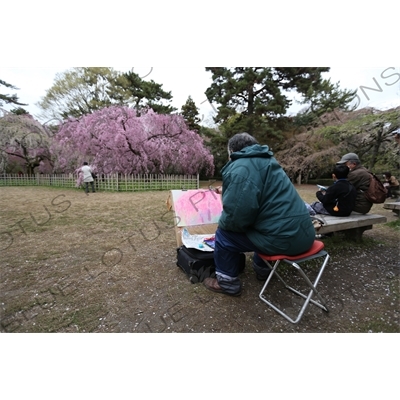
(228, 246)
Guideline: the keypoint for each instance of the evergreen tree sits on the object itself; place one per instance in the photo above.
(130, 89)
(9, 98)
(19, 111)
(217, 141)
(258, 94)
(324, 98)
(190, 113)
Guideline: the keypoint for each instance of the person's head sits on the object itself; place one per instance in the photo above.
(85, 163)
(387, 175)
(351, 160)
(240, 141)
(340, 171)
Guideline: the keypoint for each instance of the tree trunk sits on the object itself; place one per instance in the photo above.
(376, 146)
(250, 110)
(30, 169)
(299, 178)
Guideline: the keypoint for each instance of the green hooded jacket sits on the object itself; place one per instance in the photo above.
(260, 200)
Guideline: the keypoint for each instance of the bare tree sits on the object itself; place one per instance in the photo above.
(24, 139)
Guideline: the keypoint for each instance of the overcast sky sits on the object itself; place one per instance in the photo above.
(377, 87)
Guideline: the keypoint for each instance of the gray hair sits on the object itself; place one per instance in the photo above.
(240, 141)
(356, 162)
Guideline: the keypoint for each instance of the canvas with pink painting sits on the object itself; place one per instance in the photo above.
(196, 207)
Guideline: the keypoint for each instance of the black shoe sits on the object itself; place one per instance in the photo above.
(262, 278)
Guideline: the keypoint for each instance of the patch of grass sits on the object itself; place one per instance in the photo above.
(87, 317)
(394, 225)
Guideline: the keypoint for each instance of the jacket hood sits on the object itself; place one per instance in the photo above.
(255, 150)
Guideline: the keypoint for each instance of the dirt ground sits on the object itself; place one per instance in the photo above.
(106, 262)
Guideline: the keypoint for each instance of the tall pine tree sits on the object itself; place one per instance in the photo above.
(258, 94)
(130, 89)
(190, 113)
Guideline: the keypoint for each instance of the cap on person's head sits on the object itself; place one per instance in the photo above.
(348, 157)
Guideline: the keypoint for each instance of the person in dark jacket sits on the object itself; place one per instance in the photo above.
(360, 178)
(340, 198)
(262, 213)
(391, 184)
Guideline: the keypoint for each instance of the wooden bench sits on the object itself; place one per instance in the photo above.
(395, 206)
(352, 226)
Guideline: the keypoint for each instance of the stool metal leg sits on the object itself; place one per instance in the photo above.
(311, 285)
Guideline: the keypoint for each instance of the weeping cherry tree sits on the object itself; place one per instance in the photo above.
(116, 140)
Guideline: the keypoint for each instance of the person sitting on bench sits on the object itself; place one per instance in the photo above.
(391, 184)
(360, 178)
(340, 198)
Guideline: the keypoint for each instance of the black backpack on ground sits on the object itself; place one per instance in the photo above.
(199, 265)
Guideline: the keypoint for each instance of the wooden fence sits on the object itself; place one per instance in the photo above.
(111, 182)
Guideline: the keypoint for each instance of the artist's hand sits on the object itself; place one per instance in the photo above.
(218, 190)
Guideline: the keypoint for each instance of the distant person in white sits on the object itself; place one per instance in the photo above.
(87, 177)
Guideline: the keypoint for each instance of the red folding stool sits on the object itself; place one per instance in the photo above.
(316, 251)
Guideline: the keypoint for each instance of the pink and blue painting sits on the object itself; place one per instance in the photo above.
(196, 207)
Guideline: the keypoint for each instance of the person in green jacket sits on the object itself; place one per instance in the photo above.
(262, 213)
